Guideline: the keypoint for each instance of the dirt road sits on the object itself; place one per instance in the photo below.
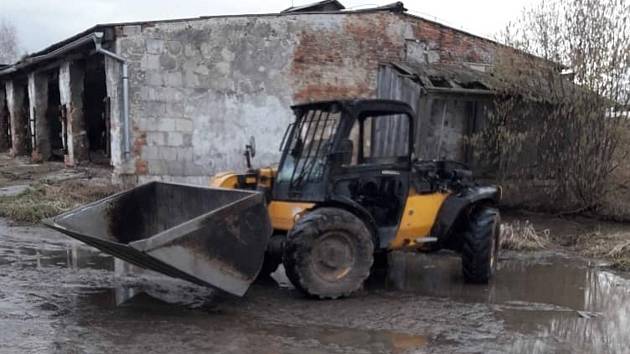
(57, 295)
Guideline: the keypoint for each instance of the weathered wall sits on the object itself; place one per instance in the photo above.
(201, 88)
(71, 82)
(433, 42)
(38, 104)
(16, 96)
(4, 120)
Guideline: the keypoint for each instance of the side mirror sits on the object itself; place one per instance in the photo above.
(252, 146)
(250, 151)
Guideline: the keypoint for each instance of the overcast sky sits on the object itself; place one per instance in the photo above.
(44, 22)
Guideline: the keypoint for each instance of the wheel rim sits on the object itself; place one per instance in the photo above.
(333, 256)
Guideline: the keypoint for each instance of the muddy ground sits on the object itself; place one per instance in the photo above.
(57, 295)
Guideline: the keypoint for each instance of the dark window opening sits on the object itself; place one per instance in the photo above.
(29, 135)
(96, 112)
(439, 81)
(473, 85)
(6, 126)
(54, 119)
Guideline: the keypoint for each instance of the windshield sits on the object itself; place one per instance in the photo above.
(311, 142)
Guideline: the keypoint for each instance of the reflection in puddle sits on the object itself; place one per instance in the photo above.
(72, 256)
(370, 341)
(584, 308)
(136, 283)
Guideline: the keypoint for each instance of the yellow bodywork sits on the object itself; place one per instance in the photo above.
(259, 178)
(418, 217)
(284, 214)
(224, 180)
(420, 213)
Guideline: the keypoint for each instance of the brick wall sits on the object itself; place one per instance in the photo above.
(201, 88)
(452, 45)
(343, 62)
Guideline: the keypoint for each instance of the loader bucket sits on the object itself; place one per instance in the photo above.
(211, 237)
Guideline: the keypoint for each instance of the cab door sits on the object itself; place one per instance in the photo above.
(374, 167)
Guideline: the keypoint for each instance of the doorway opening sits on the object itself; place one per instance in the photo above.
(53, 118)
(96, 111)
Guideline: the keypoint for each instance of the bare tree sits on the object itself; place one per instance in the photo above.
(9, 45)
(570, 95)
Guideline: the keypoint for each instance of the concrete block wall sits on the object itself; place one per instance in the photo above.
(201, 88)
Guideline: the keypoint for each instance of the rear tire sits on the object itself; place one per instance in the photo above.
(480, 248)
(328, 253)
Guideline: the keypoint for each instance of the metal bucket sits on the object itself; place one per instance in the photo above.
(211, 237)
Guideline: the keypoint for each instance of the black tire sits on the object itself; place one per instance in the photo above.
(480, 245)
(328, 253)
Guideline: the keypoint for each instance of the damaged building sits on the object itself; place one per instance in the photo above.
(178, 100)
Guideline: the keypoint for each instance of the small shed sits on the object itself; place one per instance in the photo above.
(452, 102)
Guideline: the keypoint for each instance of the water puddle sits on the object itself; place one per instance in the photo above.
(559, 299)
(74, 257)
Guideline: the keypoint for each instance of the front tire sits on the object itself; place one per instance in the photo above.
(480, 248)
(328, 253)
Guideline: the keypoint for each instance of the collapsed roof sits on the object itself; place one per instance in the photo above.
(534, 82)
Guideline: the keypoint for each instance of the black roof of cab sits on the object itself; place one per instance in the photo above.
(357, 106)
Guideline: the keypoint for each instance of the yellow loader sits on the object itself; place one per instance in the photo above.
(347, 188)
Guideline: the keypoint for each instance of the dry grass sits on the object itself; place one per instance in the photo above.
(45, 200)
(523, 236)
(620, 256)
(615, 248)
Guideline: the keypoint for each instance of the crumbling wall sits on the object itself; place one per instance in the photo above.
(340, 59)
(38, 100)
(436, 43)
(71, 76)
(17, 100)
(201, 88)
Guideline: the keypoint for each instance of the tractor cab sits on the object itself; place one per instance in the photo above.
(352, 153)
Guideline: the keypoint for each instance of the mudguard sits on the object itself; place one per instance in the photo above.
(456, 205)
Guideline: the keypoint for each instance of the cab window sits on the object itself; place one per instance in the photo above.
(377, 139)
